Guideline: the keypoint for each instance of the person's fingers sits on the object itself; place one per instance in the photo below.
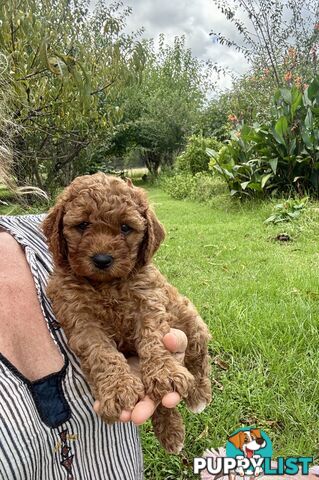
(175, 341)
(143, 410)
(124, 417)
(96, 407)
(170, 400)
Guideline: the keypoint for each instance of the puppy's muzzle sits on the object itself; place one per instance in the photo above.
(103, 261)
(260, 441)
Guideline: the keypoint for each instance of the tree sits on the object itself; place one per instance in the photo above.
(276, 34)
(280, 40)
(163, 110)
(67, 65)
(7, 128)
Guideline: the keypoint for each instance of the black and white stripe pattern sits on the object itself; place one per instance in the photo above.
(83, 447)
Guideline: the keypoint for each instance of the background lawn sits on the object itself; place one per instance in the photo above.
(260, 299)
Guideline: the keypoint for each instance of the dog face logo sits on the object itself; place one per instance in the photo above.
(249, 444)
(248, 441)
(102, 228)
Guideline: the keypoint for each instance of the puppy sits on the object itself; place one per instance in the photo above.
(112, 303)
(249, 442)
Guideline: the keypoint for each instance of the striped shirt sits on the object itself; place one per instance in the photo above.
(48, 429)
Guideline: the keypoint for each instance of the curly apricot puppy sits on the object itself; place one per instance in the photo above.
(111, 301)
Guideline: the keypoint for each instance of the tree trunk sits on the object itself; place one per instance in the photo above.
(153, 162)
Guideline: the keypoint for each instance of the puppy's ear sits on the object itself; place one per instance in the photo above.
(237, 440)
(153, 237)
(256, 432)
(129, 182)
(52, 227)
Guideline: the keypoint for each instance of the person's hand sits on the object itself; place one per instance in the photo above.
(175, 342)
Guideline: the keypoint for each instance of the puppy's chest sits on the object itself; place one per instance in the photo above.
(120, 315)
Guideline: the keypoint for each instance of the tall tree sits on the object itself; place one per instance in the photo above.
(66, 64)
(275, 34)
(164, 108)
(280, 40)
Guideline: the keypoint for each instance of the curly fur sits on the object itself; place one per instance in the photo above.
(126, 308)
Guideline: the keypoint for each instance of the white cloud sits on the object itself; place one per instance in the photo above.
(195, 19)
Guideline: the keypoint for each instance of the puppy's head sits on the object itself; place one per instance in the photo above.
(248, 441)
(102, 228)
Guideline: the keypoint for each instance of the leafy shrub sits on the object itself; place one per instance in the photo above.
(195, 158)
(280, 156)
(201, 187)
(178, 186)
(287, 211)
(207, 186)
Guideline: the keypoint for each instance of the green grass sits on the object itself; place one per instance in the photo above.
(9, 205)
(21, 209)
(260, 298)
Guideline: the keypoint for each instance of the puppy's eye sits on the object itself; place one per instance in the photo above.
(82, 226)
(126, 229)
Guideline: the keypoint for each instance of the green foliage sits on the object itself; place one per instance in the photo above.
(178, 186)
(67, 66)
(201, 187)
(280, 156)
(90, 96)
(213, 121)
(161, 111)
(287, 211)
(207, 187)
(269, 30)
(7, 128)
(279, 40)
(195, 158)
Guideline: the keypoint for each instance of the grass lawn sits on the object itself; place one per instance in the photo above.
(260, 298)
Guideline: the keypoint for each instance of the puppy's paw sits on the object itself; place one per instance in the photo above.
(173, 445)
(199, 408)
(172, 439)
(170, 377)
(120, 394)
(169, 429)
(200, 396)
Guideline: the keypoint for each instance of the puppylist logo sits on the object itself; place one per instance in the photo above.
(249, 453)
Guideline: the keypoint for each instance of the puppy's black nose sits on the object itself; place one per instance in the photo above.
(260, 441)
(102, 260)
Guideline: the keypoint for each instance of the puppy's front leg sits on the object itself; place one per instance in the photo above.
(106, 370)
(161, 373)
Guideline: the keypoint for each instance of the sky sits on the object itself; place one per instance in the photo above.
(195, 19)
